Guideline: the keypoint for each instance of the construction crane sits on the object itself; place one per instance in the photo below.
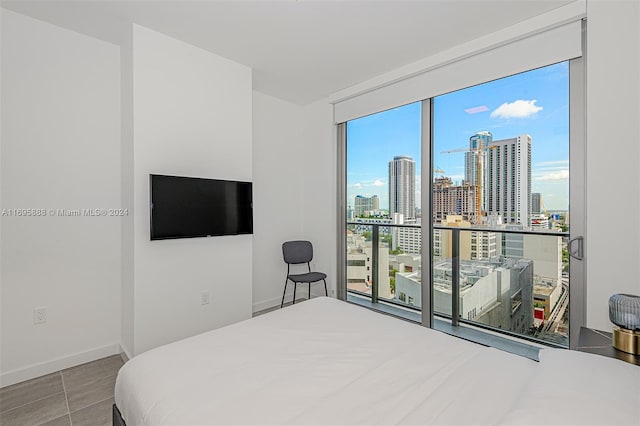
(439, 170)
(480, 149)
(543, 209)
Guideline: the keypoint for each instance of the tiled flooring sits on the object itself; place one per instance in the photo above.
(77, 396)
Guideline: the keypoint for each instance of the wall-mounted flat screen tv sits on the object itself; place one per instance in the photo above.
(187, 207)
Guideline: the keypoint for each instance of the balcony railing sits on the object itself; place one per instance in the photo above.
(509, 280)
(373, 258)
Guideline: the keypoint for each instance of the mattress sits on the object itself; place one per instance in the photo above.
(325, 361)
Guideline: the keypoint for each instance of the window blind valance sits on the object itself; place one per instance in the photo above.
(551, 46)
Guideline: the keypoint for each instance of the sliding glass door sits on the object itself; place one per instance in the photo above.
(500, 205)
(503, 163)
(383, 215)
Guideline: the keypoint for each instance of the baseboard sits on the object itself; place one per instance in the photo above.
(272, 303)
(266, 304)
(124, 353)
(47, 367)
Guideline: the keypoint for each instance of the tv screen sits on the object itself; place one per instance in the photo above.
(186, 207)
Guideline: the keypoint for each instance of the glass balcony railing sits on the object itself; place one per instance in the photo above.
(512, 281)
(381, 257)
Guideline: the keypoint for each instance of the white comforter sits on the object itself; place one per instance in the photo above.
(329, 362)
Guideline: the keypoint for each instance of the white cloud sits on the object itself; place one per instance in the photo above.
(554, 176)
(517, 109)
(357, 185)
(552, 163)
(378, 182)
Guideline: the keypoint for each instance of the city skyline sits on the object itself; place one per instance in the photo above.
(534, 103)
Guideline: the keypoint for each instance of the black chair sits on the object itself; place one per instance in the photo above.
(297, 252)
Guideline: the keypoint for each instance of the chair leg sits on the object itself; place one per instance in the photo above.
(309, 291)
(326, 293)
(295, 286)
(286, 281)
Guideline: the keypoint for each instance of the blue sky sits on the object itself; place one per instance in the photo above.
(535, 102)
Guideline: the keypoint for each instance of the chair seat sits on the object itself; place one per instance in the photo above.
(309, 277)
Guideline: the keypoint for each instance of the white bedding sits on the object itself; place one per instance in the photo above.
(328, 362)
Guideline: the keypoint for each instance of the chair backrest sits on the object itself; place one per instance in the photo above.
(297, 252)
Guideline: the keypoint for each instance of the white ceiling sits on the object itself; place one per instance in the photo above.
(300, 51)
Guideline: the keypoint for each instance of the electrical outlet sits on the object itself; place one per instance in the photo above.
(39, 315)
(333, 292)
(205, 298)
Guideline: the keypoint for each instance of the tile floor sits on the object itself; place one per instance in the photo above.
(77, 396)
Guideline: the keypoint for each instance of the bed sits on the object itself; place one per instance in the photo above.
(326, 361)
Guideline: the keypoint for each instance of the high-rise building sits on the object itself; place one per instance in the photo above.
(450, 199)
(360, 266)
(484, 245)
(540, 221)
(366, 204)
(407, 239)
(477, 146)
(508, 180)
(473, 245)
(536, 203)
(402, 187)
(513, 243)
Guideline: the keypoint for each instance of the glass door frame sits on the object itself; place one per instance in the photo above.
(577, 203)
(577, 194)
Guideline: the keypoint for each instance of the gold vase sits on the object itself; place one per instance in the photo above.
(626, 340)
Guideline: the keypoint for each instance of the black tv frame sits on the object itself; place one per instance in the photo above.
(156, 238)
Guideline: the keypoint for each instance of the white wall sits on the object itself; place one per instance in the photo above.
(613, 199)
(320, 183)
(192, 117)
(294, 154)
(279, 170)
(60, 149)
